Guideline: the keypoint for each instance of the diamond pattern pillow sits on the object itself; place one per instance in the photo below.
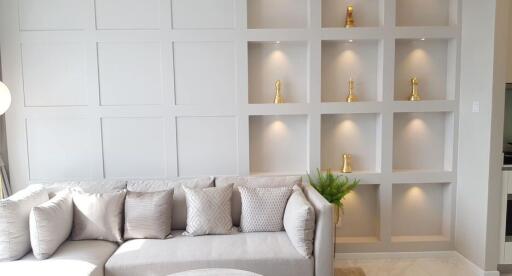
(209, 211)
(263, 208)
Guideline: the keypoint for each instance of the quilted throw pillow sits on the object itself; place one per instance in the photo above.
(263, 208)
(209, 211)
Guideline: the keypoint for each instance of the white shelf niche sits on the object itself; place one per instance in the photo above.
(421, 212)
(360, 220)
(278, 60)
(350, 133)
(366, 13)
(432, 62)
(284, 14)
(423, 141)
(344, 59)
(426, 13)
(278, 144)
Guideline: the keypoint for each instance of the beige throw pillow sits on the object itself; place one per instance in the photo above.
(209, 211)
(148, 215)
(263, 208)
(50, 225)
(98, 216)
(299, 222)
(14, 221)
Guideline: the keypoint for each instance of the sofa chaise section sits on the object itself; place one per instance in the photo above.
(76, 258)
(269, 254)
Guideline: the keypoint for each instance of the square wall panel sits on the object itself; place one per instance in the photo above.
(419, 141)
(361, 212)
(355, 134)
(130, 73)
(271, 61)
(60, 149)
(266, 14)
(278, 144)
(204, 73)
(342, 60)
(207, 146)
(427, 61)
(134, 147)
(53, 14)
(203, 14)
(128, 14)
(54, 74)
(366, 13)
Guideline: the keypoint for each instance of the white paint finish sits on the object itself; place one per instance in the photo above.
(278, 144)
(204, 73)
(342, 60)
(60, 148)
(207, 146)
(54, 74)
(366, 13)
(53, 14)
(128, 14)
(277, 13)
(419, 141)
(423, 13)
(203, 14)
(349, 133)
(360, 217)
(130, 73)
(476, 107)
(271, 61)
(418, 209)
(134, 147)
(427, 61)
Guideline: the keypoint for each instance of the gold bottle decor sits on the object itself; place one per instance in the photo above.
(349, 17)
(278, 98)
(347, 163)
(351, 94)
(415, 95)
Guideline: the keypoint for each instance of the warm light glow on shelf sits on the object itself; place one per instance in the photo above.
(350, 40)
(422, 39)
(414, 196)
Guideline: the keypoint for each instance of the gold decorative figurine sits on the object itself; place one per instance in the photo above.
(351, 95)
(415, 96)
(349, 17)
(278, 99)
(347, 163)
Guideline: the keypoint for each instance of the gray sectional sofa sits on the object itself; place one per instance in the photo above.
(265, 253)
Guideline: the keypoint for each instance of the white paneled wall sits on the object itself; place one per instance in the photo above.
(122, 89)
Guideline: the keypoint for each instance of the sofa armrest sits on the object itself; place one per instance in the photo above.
(323, 251)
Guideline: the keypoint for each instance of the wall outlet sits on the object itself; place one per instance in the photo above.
(476, 107)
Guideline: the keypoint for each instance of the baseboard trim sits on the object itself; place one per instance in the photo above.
(414, 255)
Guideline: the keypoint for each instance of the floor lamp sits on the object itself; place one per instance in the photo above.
(5, 102)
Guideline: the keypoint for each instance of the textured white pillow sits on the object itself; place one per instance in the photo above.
(14, 221)
(98, 216)
(299, 222)
(148, 215)
(50, 225)
(209, 211)
(263, 208)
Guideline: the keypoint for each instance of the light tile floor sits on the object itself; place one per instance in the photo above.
(432, 266)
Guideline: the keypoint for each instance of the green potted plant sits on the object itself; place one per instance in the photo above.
(333, 188)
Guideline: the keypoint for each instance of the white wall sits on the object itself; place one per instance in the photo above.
(479, 169)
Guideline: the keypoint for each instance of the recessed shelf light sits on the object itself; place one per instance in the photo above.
(350, 40)
(422, 39)
(277, 42)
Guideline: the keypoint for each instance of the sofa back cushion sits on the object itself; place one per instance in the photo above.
(93, 186)
(255, 182)
(50, 224)
(14, 221)
(179, 205)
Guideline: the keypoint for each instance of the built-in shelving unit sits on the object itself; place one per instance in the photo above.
(212, 77)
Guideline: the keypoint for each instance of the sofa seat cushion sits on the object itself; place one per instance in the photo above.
(77, 258)
(267, 254)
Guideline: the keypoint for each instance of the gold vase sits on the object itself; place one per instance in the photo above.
(349, 17)
(347, 163)
(335, 214)
(278, 98)
(415, 94)
(351, 94)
